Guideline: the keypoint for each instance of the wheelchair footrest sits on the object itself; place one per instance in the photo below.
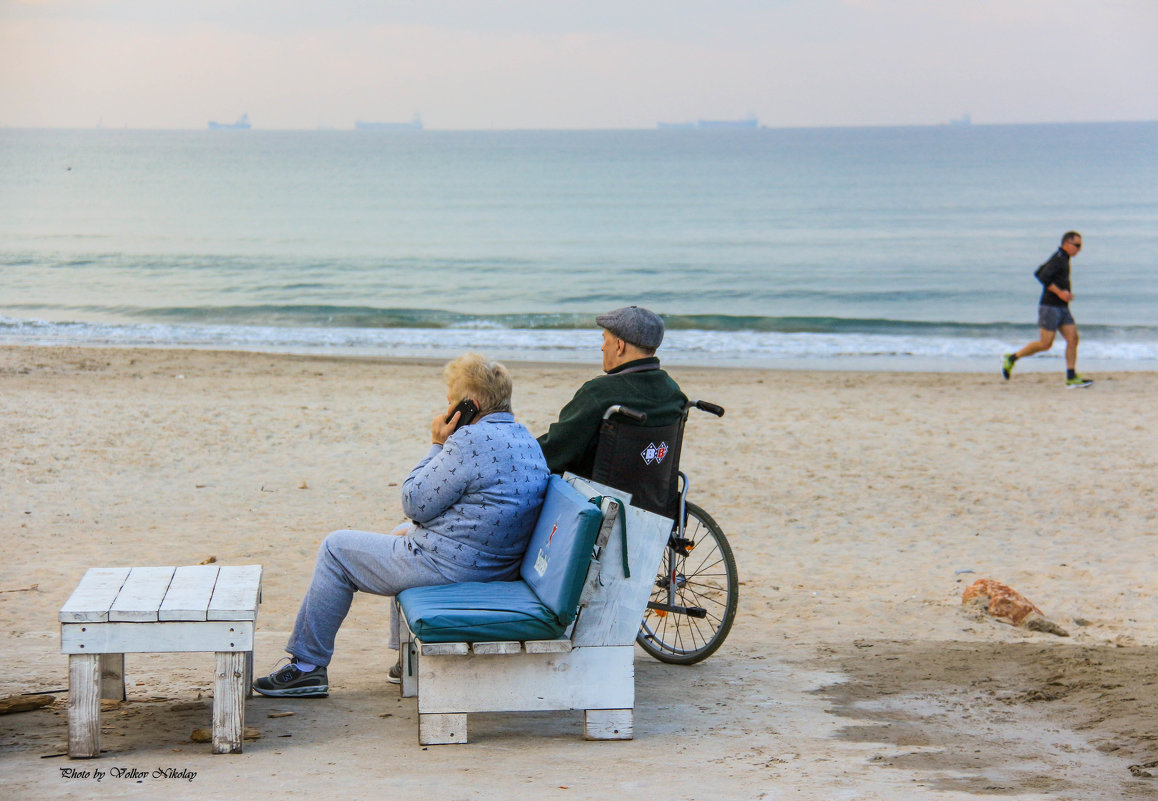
(690, 611)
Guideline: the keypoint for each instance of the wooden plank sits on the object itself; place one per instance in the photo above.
(189, 593)
(592, 488)
(613, 605)
(591, 585)
(609, 525)
(237, 594)
(228, 703)
(408, 654)
(493, 648)
(141, 595)
(408, 685)
(608, 724)
(548, 646)
(156, 638)
(441, 729)
(93, 596)
(585, 678)
(443, 648)
(84, 706)
(24, 703)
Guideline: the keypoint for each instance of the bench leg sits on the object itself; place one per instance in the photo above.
(608, 724)
(84, 706)
(229, 691)
(409, 684)
(113, 676)
(441, 729)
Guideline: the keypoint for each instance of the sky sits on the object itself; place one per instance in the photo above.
(550, 64)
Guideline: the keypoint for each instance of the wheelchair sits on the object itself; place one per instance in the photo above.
(696, 593)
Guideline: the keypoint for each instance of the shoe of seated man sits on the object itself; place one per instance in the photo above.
(1079, 382)
(394, 675)
(290, 681)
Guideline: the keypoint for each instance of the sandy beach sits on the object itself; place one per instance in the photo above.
(860, 506)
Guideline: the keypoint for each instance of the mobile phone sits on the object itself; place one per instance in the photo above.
(467, 411)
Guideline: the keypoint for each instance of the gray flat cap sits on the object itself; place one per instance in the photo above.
(634, 324)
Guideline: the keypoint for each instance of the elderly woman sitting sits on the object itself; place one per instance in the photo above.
(473, 502)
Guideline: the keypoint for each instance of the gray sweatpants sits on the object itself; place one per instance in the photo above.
(351, 561)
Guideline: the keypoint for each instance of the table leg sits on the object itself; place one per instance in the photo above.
(249, 674)
(84, 706)
(229, 693)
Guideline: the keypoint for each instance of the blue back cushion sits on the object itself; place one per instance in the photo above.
(559, 553)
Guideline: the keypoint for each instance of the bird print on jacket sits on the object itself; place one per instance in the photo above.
(475, 499)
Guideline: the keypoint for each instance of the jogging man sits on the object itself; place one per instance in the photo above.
(1053, 312)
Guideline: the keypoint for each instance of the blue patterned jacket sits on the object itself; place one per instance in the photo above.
(475, 500)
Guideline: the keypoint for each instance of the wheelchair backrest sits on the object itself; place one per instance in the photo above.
(641, 460)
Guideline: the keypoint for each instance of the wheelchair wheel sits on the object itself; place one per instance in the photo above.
(699, 577)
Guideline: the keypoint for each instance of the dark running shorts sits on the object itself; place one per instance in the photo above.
(1051, 318)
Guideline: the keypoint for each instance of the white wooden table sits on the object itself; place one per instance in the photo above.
(119, 610)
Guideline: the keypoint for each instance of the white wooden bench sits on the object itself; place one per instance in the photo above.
(591, 670)
(119, 610)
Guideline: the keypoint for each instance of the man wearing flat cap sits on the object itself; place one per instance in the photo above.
(631, 336)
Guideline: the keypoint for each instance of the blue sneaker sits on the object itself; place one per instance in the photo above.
(292, 682)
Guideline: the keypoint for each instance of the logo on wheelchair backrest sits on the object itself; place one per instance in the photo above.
(654, 453)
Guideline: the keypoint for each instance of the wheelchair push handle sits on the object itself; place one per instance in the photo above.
(624, 411)
(707, 406)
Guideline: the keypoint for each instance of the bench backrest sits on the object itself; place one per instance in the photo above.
(560, 550)
(614, 602)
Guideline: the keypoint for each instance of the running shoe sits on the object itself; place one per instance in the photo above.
(394, 675)
(1079, 382)
(1007, 365)
(292, 682)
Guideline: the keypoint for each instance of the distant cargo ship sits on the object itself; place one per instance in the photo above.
(242, 124)
(414, 125)
(747, 123)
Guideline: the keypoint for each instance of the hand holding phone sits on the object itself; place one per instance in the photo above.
(467, 410)
(440, 426)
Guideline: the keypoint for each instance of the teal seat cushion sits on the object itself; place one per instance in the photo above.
(559, 553)
(477, 611)
(541, 606)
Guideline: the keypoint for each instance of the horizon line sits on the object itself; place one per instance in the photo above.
(954, 124)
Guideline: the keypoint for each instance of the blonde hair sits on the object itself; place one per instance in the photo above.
(489, 383)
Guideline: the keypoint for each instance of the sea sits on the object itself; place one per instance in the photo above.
(908, 248)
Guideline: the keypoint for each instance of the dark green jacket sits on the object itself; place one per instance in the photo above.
(569, 444)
